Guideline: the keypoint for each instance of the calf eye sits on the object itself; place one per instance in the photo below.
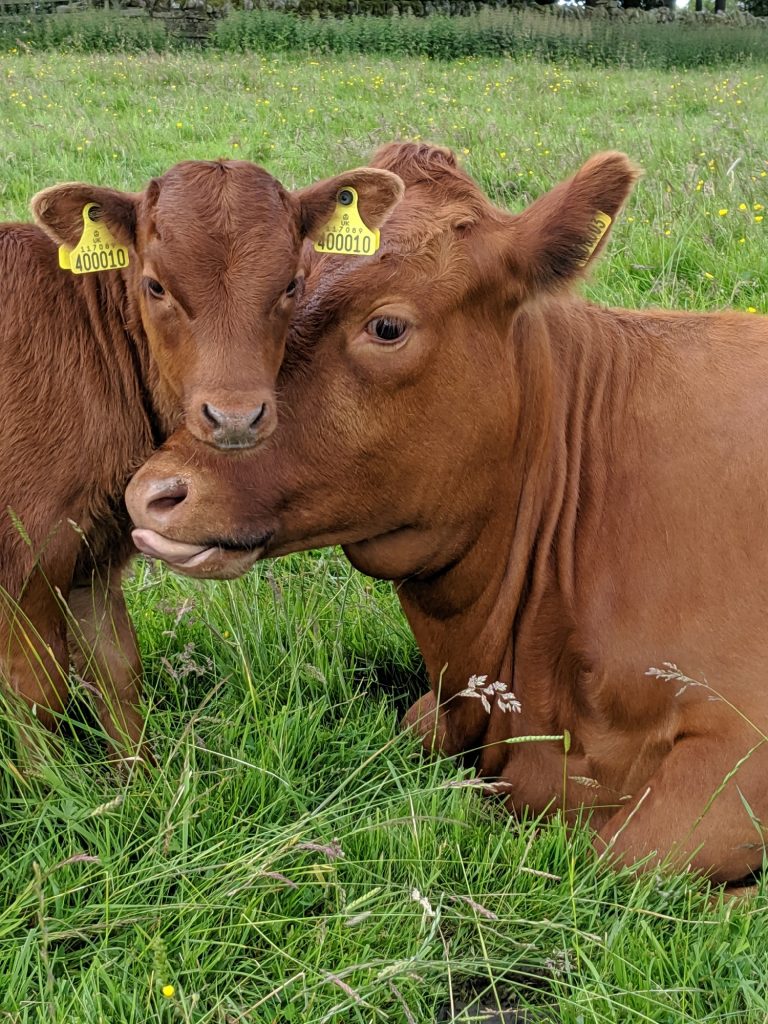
(290, 291)
(154, 288)
(387, 328)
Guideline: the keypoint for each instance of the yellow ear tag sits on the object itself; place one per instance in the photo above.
(597, 229)
(97, 249)
(345, 233)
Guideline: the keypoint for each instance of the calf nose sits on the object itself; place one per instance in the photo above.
(151, 502)
(154, 503)
(235, 429)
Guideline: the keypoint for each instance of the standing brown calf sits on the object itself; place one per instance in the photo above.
(95, 371)
(566, 496)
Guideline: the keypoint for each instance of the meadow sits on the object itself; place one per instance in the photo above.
(294, 858)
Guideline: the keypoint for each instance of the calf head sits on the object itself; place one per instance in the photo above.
(213, 275)
(411, 379)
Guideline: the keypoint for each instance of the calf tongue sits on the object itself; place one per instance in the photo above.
(174, 552)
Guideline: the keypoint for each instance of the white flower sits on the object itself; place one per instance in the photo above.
(670, 673)
(423, 902)
(506, 700)
(509, 702)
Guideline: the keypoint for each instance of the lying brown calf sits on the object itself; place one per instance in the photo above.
(187, 319)
(567, 497)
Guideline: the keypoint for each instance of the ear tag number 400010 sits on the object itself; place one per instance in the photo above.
(97, 249)
(345, 233)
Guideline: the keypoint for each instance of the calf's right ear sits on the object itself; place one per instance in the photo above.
(59, 212)
(378, 193)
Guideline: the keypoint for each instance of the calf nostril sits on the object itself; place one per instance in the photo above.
(168, 498)
(258, 415)
(213, 415)
(233, 422)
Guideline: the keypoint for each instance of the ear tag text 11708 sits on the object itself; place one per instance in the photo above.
(345, 233)
(97, 249)
(597, 229)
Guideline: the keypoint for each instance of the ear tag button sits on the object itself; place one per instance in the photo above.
(97, 249)
(597, 229)
(345, 233)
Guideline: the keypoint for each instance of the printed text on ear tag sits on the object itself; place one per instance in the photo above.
(97, 249)
(345, 233)
(597, 229)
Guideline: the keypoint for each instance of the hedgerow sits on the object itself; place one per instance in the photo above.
(594, 41)
(522, 33)
(89, 31)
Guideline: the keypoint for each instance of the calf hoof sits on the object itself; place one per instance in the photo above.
(423, 718)
(735, 893)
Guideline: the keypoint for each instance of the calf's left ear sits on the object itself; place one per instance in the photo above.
(59, 212)
(378, 193)
(552, 242)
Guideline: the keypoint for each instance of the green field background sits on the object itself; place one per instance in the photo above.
(295, 859)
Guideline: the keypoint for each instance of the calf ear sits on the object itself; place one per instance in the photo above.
(59, 212)
(558, 236)
(378, 193)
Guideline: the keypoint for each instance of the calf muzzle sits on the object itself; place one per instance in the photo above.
(165, 505)
(152, 504)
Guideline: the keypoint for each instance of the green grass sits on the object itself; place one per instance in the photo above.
(273, 702)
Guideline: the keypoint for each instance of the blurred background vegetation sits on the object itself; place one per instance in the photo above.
(594, 35)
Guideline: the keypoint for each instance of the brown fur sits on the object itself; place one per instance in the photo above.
(96, 371)
(565, 495)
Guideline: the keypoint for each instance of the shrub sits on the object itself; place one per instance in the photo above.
(558, 34)
(89, 31)
(490, 33)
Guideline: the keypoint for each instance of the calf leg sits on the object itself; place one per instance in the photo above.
(424, 719)
(694, 810)
(33, 652)
(104, 650)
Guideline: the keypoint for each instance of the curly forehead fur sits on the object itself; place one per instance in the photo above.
(213, 221)
(419, 238)
(440, 196)
(224, 191)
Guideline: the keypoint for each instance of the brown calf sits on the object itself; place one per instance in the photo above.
(96, 370)
(569, 498)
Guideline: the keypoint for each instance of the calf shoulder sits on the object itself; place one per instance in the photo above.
(75, 423)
